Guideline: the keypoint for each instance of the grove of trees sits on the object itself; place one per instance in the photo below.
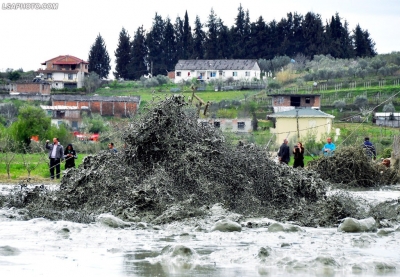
(157, 50)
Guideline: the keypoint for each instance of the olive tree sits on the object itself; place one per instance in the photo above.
(339, 104)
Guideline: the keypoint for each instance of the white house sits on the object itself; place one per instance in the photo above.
(65, 72)
(208, 70)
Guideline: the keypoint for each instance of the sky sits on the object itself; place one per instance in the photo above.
(31, 37)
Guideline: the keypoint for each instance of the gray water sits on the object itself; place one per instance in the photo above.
(40, 247)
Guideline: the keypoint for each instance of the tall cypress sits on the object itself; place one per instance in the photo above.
(99, 60)
(138, 62)
(210, 44)
(187, 39)
(198, 40)
(313, 34)
(169, 48)
(123, 55)
(154, 42)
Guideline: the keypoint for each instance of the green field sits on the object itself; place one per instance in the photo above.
(37, 163)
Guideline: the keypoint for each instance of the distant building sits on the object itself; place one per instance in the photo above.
(68, 115)
(286, 102)
(114, 106)
(208, 70)
(23, 87)
(238, 125)
(65, 72)
(305, 122)
(387, 119)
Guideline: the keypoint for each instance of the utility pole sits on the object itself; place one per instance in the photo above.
(297, 120)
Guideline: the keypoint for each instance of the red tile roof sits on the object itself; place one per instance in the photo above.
(66, 59)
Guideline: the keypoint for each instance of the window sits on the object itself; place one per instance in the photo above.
(308, 100)
(70, 76)
(247, 74)
(85, 66)
(178, 73)
(188, 74)
(241, 125)
(217, 124)
(74, 124)
(234, 73)
(213, 74)
(49, 75)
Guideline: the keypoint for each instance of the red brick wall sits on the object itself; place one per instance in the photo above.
(31, 88)
(105, 108)
(284, 101)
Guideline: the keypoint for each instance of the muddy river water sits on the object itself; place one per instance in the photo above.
(40, 247)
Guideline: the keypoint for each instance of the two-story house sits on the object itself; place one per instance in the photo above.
(65, 71)
(217, 70)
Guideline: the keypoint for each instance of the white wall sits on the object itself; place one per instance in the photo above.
(241, 75)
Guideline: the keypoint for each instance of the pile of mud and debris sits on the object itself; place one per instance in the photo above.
(350, 166)
(171, 167)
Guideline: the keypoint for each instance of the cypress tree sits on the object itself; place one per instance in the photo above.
(210, 44)
(99, 60)
(154, 42)
(169, 48)
(187, 39)
(198, 40)
(123, 55)
(137, 66)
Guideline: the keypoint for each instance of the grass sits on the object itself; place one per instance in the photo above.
(37, 163)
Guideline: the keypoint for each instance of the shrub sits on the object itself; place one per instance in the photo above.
(387, 153)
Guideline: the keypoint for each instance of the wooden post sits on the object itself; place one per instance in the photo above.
(395, 158)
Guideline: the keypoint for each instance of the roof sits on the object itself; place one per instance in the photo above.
(96, 98)
(65, 59)
(302, 113)
(59, 108)
(217, 65)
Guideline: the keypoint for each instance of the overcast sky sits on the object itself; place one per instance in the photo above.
(30, 37)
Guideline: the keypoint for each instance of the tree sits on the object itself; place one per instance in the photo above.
(123, 55)
(198, 40)
(138, 66)
(210, 43)
(361, 102)
(13, 75)
(313, 34)
(339, 104)
(95, 124)
(364, 46)
(99, 60)
(32, 121)
(187, 39)
(389, 108)
(92, 82)
(169, 47)
(155, 44)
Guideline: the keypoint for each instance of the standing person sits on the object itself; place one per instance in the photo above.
(298, 152)
(369, 148)
(56, 155)
(70, 156)
(111, 148)
(329, 148)
(284, 152)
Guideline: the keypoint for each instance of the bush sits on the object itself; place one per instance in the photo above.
(387, 153)
(274, 85)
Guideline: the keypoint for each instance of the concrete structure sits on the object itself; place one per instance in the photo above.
(68, 115)
(65, 72)
(286, 102)
(113, 106)
(387, 119)
(41, 88)
(208, 70)
(240, 125)
(303, 122)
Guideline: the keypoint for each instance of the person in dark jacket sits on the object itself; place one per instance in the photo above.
(70, 156)
(369, 148)
(298, 152)
(56, 155)
(284, 152)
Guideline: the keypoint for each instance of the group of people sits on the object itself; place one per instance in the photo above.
(57, 154)
(328, 150)
(298, 152)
